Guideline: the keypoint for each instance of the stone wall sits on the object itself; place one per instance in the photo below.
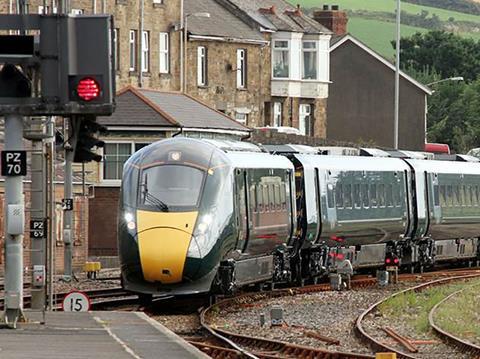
(221, 91)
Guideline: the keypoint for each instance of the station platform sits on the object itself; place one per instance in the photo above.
(98, 335)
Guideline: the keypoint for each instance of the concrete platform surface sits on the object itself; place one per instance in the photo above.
(93, 335)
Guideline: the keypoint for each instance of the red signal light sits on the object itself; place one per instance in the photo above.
(388, 260)
(396, 260)
(88, 89)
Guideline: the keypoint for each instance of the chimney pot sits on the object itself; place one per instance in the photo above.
(333, 19)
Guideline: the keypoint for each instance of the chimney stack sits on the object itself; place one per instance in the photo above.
(332, 18)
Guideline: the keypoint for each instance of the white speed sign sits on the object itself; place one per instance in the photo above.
(76, 302)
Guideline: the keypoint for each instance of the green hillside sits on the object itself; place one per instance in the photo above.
(372, 21)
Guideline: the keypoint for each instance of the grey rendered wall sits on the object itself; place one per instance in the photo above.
(361, 102)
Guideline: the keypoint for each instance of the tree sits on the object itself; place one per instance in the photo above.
(446, 53)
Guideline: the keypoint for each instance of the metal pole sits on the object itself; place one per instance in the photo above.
(38, 200)
(68, 194)
(182, 46)
(104, 7)
(185, 40)
(397, 77)
(13, 242)
(52, 223)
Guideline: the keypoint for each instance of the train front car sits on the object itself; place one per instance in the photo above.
(176, 217)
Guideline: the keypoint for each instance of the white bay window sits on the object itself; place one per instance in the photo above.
(310, 60)
(281, 59)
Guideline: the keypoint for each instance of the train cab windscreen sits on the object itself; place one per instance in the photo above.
(171, 187)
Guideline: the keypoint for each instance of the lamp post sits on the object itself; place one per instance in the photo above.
(185, 42)
(397, 78)
(458, 78)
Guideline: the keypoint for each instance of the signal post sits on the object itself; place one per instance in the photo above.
(69, 61)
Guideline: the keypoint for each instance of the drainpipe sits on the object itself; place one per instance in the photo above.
(140, 74)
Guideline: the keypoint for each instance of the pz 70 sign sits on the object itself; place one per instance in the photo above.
(14, 163)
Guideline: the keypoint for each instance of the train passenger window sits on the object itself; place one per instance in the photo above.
(283, 195)
(357, 197)
(436, 196)
(443, 196)
(271, 196)
(253, 198)
(347, 195)
(397, 195)
(390, 195)
(381, 195)
(456, 196)
(365, 199)
(373, 196)
(278, 202)
(463, 197)
(266, 200)
(260, 201)
(339, 195)
(468, 196)
(449, 196)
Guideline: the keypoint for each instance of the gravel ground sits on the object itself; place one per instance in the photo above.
(330, 314)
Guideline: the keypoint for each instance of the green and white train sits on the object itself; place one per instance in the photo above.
(206, 216)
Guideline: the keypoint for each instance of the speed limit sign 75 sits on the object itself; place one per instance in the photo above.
(76, 301)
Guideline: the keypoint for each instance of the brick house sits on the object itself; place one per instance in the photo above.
(361, 99)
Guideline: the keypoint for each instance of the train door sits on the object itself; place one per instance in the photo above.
(241, 202)
(422, 190)
(434, 198)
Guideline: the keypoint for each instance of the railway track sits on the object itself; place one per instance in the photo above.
(235, 345)
(464, 345)
(381, 345)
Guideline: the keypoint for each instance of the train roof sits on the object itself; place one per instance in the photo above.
(453, 167)
(258, 160)
(353, 163)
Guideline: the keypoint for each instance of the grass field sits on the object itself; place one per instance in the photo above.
(378, 34)
(389, 6)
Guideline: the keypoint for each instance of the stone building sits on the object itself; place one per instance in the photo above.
(299, 63)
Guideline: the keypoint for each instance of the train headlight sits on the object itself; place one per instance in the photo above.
(202, 240)
(130, 220)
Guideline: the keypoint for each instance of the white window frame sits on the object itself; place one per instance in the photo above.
(145, 51)
(241, 117)
(202, 66)
(164, 52)
(77, 11)
(132, 46)
(117, 181)
(310, 50)
(305, 119)
(277, 114)
(116, 50)
(276, 49)
(40, 10)
(241, 68)
(158, 2)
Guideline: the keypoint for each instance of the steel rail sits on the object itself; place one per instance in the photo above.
(377, 344)
(449, 337)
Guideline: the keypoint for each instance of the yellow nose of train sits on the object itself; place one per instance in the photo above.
(163, 241)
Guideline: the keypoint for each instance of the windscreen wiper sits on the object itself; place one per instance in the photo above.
(153, 199)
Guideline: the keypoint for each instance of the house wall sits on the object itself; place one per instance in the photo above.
(362, 110)
(157, 18)
(221, 91)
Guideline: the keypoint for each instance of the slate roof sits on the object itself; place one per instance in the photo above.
(221, 23)
(278, 15)
(138, 108)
